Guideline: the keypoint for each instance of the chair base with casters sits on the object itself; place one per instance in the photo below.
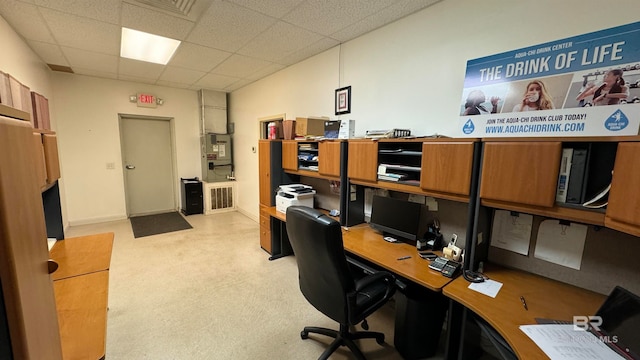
(342, 338)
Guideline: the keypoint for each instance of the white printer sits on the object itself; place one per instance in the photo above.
(294, 194)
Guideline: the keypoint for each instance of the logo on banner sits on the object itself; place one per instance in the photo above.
(468, 127)
(617, 121)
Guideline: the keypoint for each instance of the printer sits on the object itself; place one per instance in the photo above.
(294, 194)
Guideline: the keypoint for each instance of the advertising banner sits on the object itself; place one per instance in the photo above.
(587, 85)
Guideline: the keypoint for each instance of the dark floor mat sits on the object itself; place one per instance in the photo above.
(158, 224)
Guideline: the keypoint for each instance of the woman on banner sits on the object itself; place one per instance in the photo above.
(473, 105)
(610, 92)
(535, 97)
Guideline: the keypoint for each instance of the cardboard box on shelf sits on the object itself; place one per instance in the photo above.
(310, 126)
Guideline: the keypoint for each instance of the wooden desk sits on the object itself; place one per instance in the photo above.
(364, 242)
(545, 298)
(82, 255)
(81, 287)
(81, 302)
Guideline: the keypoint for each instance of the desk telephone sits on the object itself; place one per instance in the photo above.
(447, 267)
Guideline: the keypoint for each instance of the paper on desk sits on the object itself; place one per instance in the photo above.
(561, 244)
(488, 287)
(562, 342)
(511, 232)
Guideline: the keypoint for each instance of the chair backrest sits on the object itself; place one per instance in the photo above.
(324, 275)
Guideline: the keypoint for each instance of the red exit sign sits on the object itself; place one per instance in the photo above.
(146, 100)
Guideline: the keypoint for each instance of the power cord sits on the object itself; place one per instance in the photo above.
(475, 276)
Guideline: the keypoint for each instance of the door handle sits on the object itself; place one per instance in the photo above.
(130, 167)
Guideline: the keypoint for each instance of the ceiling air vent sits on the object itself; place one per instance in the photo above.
(182, 7)
(60, 68)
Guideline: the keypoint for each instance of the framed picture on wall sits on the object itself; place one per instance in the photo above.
(343, 100)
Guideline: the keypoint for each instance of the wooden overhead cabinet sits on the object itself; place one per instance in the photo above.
(446, 167)
(363, 160)
(623, 210)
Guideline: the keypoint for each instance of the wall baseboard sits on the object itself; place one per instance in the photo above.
(248, 214)
(97, 220)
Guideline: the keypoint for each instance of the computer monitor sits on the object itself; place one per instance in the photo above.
(620, 316)
(396, 218)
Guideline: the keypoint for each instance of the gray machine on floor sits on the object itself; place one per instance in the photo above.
(217, 163)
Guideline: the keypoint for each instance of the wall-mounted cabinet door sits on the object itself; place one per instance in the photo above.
(521, 172)
(329, 158)
(623, 210)
(446, 167)
(290, 155)
(363, 160)
(50, 143)
(41, 171)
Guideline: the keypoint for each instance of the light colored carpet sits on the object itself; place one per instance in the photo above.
(211, 293)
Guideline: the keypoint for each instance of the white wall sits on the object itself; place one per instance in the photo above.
(87, 110)
(408, 74)
(23, 64)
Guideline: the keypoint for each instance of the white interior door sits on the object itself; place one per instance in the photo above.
(147, 165)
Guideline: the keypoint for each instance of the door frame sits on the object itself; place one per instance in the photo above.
(174, 165)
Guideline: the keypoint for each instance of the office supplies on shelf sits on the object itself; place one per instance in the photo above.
(294, 194)
(488, 287)
(561, 244)
(576, 176)
(563, 177)
(511, 232)
(391, 133)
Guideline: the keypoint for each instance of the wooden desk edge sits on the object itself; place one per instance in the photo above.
(521, 344)
(69, 267)
(82, 315)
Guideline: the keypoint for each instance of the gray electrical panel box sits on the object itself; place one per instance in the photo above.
(217, 163)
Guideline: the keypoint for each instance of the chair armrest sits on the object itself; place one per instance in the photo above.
(375, 277)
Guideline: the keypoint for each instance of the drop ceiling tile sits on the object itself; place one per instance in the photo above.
(381, 18)
(173, 84)
(103, 10)
(91, 60)
(95, 73)
(313, 49)
(215, 81)
(328, 16)
(140, 69)
(180, 75)
(49, 53)
(83, 33)
(279, 40)
(275, 8)
(270, 69)
(228, 27)
(237, 85)
(238, 66)
(25, 20)
(137, 79)
(155, 22)
(197, 57)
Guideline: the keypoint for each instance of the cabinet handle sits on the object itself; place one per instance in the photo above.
(52, 265)
(130, 167)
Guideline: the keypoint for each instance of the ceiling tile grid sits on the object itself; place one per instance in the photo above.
(226, 44)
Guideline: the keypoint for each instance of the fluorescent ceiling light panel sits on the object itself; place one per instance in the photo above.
(139, 45)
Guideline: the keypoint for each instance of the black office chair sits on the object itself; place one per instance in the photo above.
(327, 283)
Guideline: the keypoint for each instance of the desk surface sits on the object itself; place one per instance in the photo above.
(82, 255)
(362, 241)
(81, 302)
(545, 298)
